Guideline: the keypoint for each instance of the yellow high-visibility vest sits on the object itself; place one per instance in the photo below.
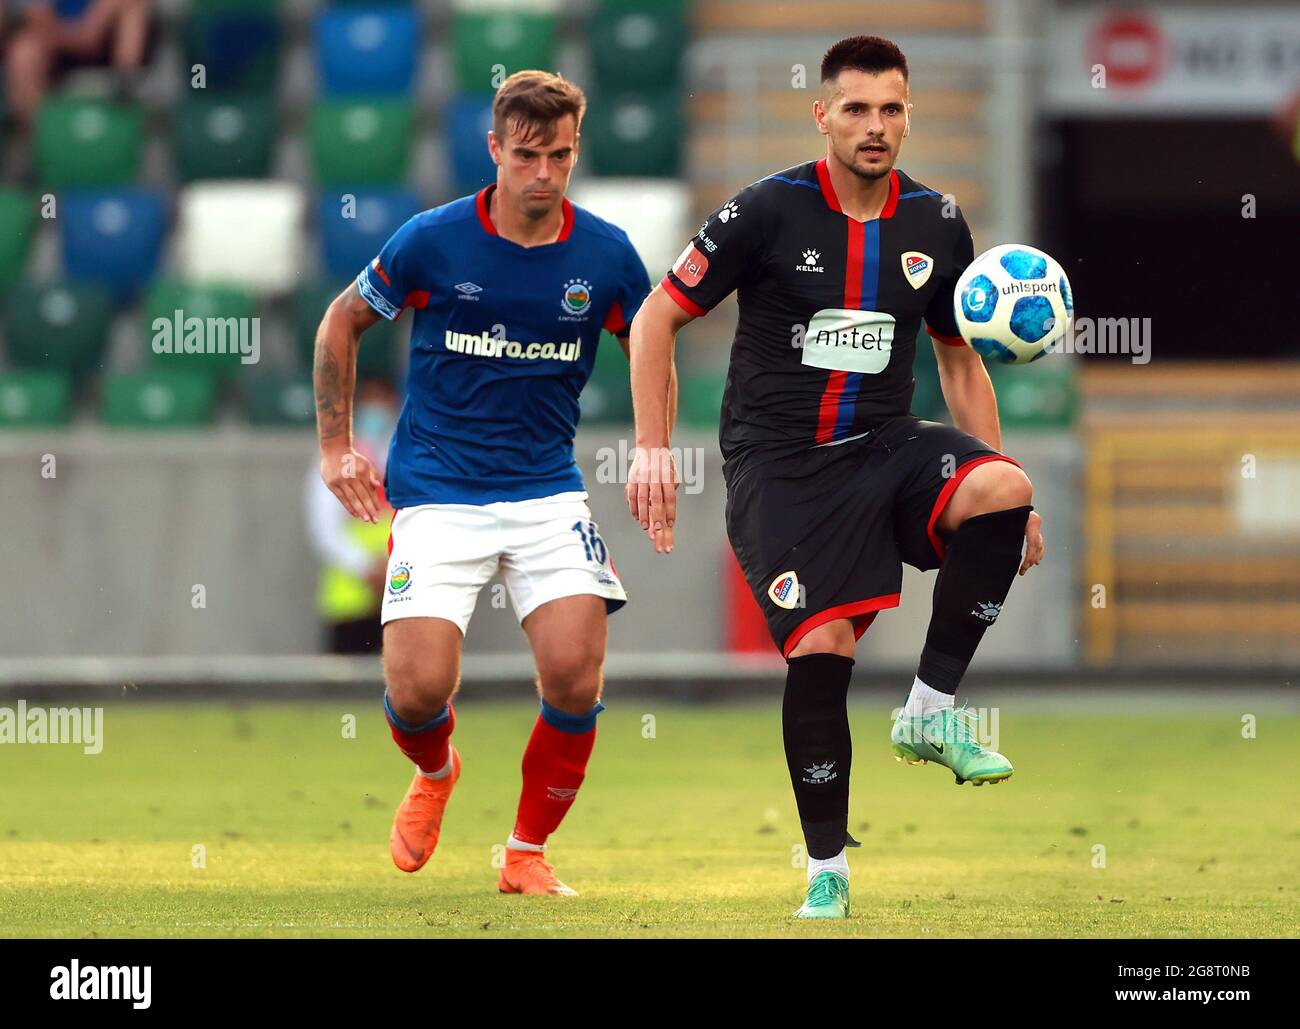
(343, 596)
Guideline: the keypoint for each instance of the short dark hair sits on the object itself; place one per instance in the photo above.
(533, 101)
(871, 54)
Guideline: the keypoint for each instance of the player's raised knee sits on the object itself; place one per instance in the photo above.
(995, 486)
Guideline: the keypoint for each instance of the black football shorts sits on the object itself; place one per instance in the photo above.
(822, 533)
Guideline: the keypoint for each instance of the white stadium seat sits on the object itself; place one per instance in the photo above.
(244, 233)
(655, 213)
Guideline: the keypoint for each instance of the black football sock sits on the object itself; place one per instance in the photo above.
(982, 558)
(818, 748)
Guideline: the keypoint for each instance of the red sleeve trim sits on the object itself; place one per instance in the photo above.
(417, 298)
(614, 321)
(952, 341)
(683, 301)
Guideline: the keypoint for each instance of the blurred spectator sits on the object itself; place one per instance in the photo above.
(353, 553)
(48, 37)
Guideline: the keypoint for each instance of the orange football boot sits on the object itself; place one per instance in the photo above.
(419, 818)
(528, 871)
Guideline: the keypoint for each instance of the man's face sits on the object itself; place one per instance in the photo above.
(531, 174)
(864, 118)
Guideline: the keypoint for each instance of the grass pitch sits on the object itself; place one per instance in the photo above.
(263, 820)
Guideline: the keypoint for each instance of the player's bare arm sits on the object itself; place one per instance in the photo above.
(654, 402)
(968, 392)
(625, 341)
(347, 473)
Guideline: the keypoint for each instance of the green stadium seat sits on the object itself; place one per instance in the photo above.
(927, 397)
(224, 137)
(34, 400)
(607, 397)
(17, 221)
(361, 142)
(157, 400)
(381, 345)
(635, 134)
(204, 302)
(279, 400)
(1038, 396)
(513, 40)
(61, 327)
(699, 399)
(84, 142)
(637, 45)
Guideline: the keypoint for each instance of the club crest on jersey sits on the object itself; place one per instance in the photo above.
(917, 268)
(784, 591)
(577, 296)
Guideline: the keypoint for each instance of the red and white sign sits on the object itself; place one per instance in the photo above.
(1204, 60)
(691, 266)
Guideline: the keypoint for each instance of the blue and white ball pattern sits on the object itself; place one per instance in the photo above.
(1013, 303)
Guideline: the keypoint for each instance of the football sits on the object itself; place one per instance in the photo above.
(1013, 303)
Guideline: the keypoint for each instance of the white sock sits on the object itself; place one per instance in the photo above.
(924, 701)
(442, 773)
(838, 863)
(514, 844)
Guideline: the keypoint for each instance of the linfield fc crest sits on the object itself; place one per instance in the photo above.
(399, 580)
(577, 296)
(917, 268)
(784, 591)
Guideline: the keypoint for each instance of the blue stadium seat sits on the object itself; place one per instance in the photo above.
(469, 117)
(238, 45)
(349, 244)
(367, 49)
(112, 237)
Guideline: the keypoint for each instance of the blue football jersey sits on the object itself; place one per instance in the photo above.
(503, 341)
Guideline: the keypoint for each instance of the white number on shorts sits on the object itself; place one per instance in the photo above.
(592, 544)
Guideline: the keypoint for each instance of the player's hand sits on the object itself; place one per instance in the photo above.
(1033, 542)
(652, 495)
(353, 480)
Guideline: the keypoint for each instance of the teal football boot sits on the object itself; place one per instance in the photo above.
(949, 738)
(828, 897)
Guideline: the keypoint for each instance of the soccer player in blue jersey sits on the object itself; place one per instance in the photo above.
(509, 290)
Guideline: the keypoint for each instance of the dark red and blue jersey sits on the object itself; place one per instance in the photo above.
(504, 339)
(830, 307)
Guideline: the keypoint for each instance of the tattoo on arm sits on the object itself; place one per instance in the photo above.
(335, 380)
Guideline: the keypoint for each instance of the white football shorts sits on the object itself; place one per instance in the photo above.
(441, 555)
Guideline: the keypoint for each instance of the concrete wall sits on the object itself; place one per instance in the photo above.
(102, 558)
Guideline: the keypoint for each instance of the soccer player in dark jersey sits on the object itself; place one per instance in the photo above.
(510, 290)
(831, 483)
